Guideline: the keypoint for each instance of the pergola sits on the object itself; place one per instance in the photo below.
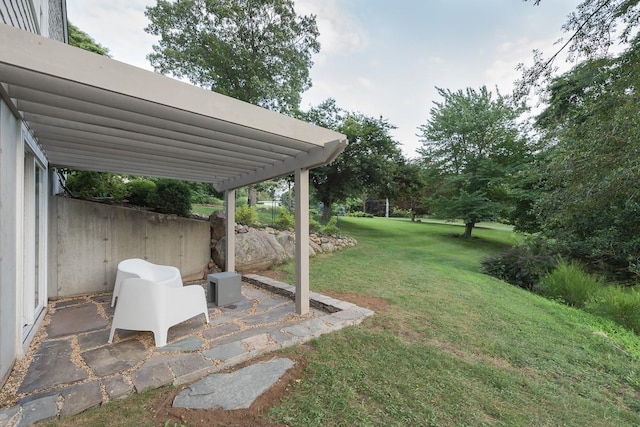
(91, 112)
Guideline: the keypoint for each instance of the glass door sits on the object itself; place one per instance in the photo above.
(34, 222)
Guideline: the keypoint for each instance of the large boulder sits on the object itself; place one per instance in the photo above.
(288, 243)
(218, 221)
(255, 251)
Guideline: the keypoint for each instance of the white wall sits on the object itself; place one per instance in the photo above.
(87, 240)
(11, 153)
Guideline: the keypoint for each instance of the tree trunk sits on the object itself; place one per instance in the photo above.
(413, 216)
(326, 212)
(251, 196)
(468, 227)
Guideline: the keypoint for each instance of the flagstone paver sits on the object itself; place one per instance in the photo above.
(226, 351)
(38, 410)
(65, 320)
(116, 357)
(93, 339)
(236, 390)
(151, 377)
(117, 387)
(75, 349)
(52, 366)
(186, 344)
(80, 398)
(9, 416)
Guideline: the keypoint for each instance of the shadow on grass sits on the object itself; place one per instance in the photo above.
(493, 239)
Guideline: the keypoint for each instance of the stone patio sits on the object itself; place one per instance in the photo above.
(70, 366)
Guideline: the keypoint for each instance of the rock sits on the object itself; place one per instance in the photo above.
(259, 249)
(328, 247)
(255, 251)
(218, 221)
(288, 242)
(315, 246)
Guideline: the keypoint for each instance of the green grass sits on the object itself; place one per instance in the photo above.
(265, 215)
(205, 209)
(455, 347)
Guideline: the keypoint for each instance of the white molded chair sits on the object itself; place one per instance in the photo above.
(138, 268)
(144, 305)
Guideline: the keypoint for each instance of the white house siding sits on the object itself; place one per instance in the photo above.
(11, 154)
(19, 13)
(47, 18)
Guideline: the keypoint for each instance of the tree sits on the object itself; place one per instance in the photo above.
(592, 199)
(258, 51)
(79, 38)
(410, 188)
(592, 30)
(471, 147)
(367, 163)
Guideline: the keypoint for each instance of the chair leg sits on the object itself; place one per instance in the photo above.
(160, 337)
(113, 330)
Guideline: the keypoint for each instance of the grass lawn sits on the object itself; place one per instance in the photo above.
(205, 209)
(456, 347)
(266, 216)
(449, 346)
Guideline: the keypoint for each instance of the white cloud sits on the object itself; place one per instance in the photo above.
(124, 36)
(340, 32)
(365, 83)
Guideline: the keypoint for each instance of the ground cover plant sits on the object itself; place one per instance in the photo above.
(448, 346)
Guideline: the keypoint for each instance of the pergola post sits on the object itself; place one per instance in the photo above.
(302, 241)
(230, 210)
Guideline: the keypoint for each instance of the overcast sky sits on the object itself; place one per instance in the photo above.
(380, 57)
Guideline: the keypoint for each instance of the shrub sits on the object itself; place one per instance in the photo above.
(141, 192)
(285, 219)
(400, 213)
(619, 305)
(522, 265)
(172, 197)
(314, 226)
(87, 184)
(331, 228)
(570, 283)
(246, 215)
(360, 214)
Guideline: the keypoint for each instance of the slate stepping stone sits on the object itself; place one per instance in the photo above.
(236, 390)
(115, 358)
(74, 320)
(51, 366)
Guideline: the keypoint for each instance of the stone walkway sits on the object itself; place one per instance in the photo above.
(71, 367)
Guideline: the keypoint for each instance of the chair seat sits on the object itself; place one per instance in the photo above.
(144, 305)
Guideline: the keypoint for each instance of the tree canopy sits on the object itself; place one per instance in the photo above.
(593, 29)
(592, 197)
(79, 38)
(471, 145)
(258, 51)
(367, 163)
